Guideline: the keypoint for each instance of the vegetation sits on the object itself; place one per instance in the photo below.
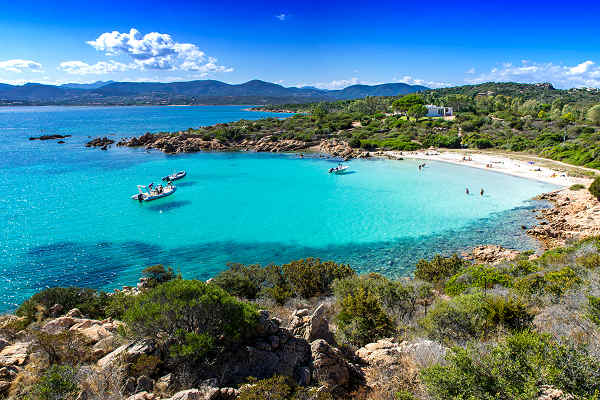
(303, 278)
(470, 331)
(197, 318)
(595, 188)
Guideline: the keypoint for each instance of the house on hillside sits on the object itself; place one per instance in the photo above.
(437, 111)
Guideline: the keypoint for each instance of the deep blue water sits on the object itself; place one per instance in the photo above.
(67, 218)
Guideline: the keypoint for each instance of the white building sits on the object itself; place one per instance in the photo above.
(436, 111)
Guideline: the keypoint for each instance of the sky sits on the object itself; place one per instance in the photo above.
(328, 44)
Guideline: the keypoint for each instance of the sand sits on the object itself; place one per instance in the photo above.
(526, 167)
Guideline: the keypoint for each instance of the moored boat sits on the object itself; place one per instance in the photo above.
(340, 169)
(153, 193)
(174, 176)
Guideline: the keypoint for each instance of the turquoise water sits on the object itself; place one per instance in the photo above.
(68, 218)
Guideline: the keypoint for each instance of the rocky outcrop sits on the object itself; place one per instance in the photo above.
(312, 326)
(339, 148)
(14, 354)
(128, 353)
(551, 393)
(190, 143)
(102, 142)
(490, 254)
(330, 367)
(49, 137)
(91, 329)
(575, 215)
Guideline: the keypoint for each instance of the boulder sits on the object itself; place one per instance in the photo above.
(144, 384)
(3, 343)
(312, 327)
(15, 354)
(551, 393)
(144, 396)
(330, 367)
(74, 313)
(197, 394)
(490, 254)
(165, 384)
(129, 353)
(4, 386)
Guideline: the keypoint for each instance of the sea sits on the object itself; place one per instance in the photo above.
(67, 217)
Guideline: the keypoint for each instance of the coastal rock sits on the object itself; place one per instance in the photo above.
(15, 354)
(101, 142)
(312, 327)
(551, 393)
(144, 396)
(338, 148)
(128, 353)
(490, 254)
(49, 137)
(573, 217)
(330, 367)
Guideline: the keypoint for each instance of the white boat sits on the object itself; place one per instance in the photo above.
(174, 176)
(340, 169)
(154, 193)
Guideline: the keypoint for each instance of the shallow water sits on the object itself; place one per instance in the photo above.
(68, 218)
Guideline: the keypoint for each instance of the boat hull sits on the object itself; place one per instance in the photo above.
(146, 197)
(175, 177)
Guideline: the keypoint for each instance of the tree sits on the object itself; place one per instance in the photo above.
(404, 103)
(417, 111)
(157, 274)
(193, 317)
(593, 114)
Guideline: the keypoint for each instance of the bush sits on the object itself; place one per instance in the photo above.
(480, 276)
(398, 299)
(157, 274)
(439, 268)
(513, 369)
(303, 278)
(59, 382)
(470, 316)
(554, 283)
(194, 317)
(594, 309)
(90, 302)
(278, 388)
(595, 188)
(577, 186)
(354, 142)
(361, 319)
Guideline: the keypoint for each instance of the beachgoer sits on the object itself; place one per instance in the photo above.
(467, 191)
(481, 193)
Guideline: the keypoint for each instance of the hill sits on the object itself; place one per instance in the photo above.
(193, 92)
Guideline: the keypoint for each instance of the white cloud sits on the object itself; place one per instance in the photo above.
(585, 74)
(100, 68)
(471, 71)
(156, 51)
(20, 66)
(338, 84)
(281, 17)
(415, 81)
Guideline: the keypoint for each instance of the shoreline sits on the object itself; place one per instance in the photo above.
(501, 163)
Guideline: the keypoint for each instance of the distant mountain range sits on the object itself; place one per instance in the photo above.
(193, 92)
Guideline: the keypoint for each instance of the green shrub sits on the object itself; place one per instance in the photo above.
(157, 274)
(404, 395)
(354, 142)
(479, 276)
(194, 317)
(303, 278)
(439, 268)
(59, 382)
(399, 299)
(595, 188)
(469, 316)
(90, 302)
(279, 388)
(554, 283)
(513, 369)
(594, 309)
(361, 319)
(577, 186)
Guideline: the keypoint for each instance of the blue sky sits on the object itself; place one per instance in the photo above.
(329, 44)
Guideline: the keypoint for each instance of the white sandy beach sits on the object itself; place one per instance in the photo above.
(557, 173)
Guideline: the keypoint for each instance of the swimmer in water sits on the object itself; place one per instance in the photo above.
(467, 191)
(481, 193)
